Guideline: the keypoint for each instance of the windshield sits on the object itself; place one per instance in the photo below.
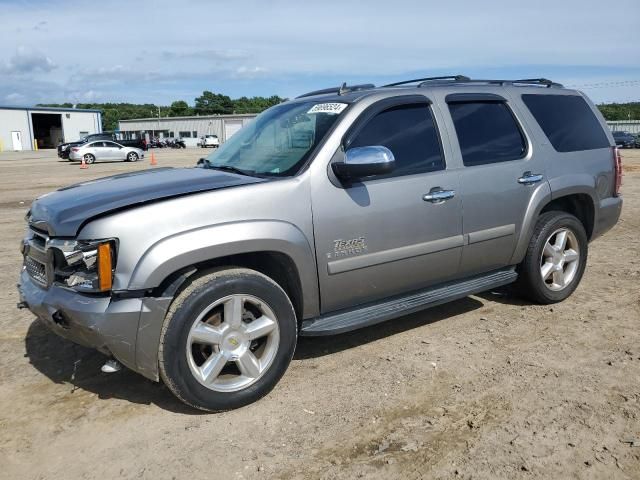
(279, 140)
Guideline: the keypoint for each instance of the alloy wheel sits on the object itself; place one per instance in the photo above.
(232, 343)
(559, 261)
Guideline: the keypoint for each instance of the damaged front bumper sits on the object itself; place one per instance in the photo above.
(127, 328)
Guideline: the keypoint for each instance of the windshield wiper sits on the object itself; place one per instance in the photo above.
(229, 168)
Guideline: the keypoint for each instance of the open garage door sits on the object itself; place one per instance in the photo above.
(47, 129)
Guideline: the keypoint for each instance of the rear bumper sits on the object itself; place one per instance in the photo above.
(607, 216)
(127, 328)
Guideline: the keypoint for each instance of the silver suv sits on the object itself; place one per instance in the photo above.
(338, 210)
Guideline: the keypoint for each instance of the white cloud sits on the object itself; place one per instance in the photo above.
(290, 45)
(26, 61)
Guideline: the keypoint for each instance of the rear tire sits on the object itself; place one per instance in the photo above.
(227, 339)
(88, 158)
(555, 260)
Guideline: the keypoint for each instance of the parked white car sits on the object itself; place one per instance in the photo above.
(209, 141)
(105, 150)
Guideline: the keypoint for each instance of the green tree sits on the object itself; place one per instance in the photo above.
(621, 111)
(208, 103)
(180, 108)
(213, 103)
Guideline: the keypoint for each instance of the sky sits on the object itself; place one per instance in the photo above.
(159, 51)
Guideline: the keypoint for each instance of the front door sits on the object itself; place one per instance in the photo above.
(501, 173)
(112, 151)
(380, 237)
(16, 138)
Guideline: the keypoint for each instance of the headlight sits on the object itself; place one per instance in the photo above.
(90, 265)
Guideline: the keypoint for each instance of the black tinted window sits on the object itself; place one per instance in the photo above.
(487, 132)
(410, 133)
(567, 121)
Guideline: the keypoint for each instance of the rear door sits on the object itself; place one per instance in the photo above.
(97, 150)
(501, 172)
(379, 237)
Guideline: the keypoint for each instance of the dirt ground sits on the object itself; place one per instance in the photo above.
(487, 387)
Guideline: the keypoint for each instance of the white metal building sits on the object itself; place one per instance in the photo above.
(21, 128)
(190, 129)
(631, 126)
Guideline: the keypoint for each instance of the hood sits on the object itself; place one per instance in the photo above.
(63, 212)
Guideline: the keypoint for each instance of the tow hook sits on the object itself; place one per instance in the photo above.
(22, 305)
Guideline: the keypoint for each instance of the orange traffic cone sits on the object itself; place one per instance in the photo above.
(153, 159)
(83, 164)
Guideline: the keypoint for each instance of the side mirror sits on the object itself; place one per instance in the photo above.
(360, 162)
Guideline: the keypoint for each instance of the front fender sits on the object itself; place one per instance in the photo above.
(207, 243)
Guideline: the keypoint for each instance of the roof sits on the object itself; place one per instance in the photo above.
(351, 93)
(49, 109)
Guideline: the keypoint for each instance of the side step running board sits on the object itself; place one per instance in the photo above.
(372, 313)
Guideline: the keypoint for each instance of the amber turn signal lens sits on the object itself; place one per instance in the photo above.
(104, 266)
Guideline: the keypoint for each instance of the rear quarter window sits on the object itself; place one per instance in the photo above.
(567, 121)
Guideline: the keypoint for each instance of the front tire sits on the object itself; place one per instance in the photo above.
(556, 258)
(227, 339)
(132, 157)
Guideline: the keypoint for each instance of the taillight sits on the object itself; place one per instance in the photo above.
(75, 149)
(617, 163)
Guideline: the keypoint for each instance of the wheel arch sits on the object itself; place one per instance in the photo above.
(580, 205)
(277, 249)
(578, 200)
(276, 265)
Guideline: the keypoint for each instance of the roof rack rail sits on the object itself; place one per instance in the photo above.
(339, 90)
(525, 81)
(453, 78)
(544, 82)
(537, 81)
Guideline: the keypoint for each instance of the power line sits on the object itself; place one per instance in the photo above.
(612, 83)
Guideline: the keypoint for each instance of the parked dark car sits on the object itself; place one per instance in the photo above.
(625, 139)
(65, 148)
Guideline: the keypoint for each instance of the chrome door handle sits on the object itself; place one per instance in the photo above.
(529, 178)
(438, 196)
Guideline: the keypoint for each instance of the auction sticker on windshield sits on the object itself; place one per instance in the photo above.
(334, 108)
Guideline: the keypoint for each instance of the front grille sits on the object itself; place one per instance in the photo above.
(36, 270)
(37, 261)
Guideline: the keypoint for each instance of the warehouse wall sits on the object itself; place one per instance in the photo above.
(14, 120)
(213, 125)
(75, 123)
(631, 126)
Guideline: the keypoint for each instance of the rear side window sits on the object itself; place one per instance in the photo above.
(487, 132)
(410, 133)
(567, 121)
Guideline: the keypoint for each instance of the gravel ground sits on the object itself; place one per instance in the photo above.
(486, 387)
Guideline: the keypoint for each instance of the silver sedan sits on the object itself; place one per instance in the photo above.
(105, 150)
